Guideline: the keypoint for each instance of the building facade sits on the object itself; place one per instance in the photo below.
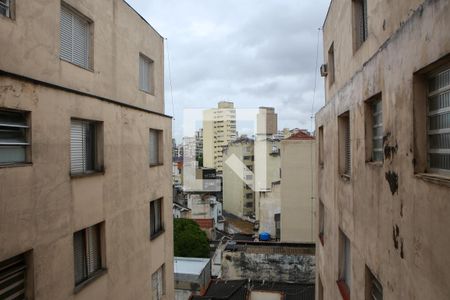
(85, 158)
(219, 129)
(298, 184)
(238, 195)
(383, 151)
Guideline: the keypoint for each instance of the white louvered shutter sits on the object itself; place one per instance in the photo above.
(92, 248)
(66, 34)
(348, 157)
(79, 257)
(74, 36)
(77, 147)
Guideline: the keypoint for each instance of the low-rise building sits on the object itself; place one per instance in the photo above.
(192, 276)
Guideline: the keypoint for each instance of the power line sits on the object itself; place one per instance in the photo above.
(170, 77)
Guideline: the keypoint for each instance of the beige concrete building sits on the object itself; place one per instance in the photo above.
(384, 152)
(85, 161)
(298, 181)
(219, 129)
(238, 195)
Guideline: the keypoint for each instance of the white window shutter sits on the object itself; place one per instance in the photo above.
(66, 34)
(348, 158)
(93, 257)
(77, 147)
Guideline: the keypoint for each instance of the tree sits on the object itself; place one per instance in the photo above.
(189, 239)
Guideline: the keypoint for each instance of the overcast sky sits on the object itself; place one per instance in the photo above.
(252, 52)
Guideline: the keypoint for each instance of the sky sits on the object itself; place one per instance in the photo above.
(251, 52)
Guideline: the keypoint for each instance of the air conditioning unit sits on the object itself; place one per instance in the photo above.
(324, 70)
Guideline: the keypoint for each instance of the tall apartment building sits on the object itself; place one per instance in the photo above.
(384, 151)
(199, 143)
(238, 195)
(298, 185)
(219, 129)
(85, 156)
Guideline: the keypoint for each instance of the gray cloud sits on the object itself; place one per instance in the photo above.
(252, 52)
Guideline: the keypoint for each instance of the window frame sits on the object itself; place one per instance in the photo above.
(360, 20)
(321, 222)
(331, 65)
(345, 145)
(150, 74)
(160, 147)
(9, 7)
(321, 146)
(101, 268)
(89, 38)
(97, 148)
(27, 136)
(21, 263)
(156, 228)
(371, 282)
(161, 270)
(344, 281)
(369, 115)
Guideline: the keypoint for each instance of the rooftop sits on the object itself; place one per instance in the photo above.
(189, 265)
(301, 135)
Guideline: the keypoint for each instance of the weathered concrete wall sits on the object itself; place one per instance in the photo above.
(298, 176)
(41, 204)
(269, 205)
(271, 263)
(399, 234)
(119, 35)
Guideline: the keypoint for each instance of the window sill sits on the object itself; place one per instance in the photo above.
(90, 174)
(16, 165)
(434, 178)
(81, 67)
(377, 164)
(343, 289)
(156, 165)
(345, 177)
(157, 234)
(89, 280)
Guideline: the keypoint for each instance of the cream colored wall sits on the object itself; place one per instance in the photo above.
(119, 35)
(298, 176)
(413, 264)
(42, 206)
(269, 204)
(233, 186)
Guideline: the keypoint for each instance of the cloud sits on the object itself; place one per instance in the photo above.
(252, 52)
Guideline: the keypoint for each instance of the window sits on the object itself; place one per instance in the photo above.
(321, 146)
(75, 37)
(249, 204)
(321, 221)
(277, 219)
(331, 72)
(360, 24)
(156, 215)
(16, 280)
(438, 130)
(87, 249)
(14, 137)
(85, 146)
(158, 284)
(374, 129)
(345, 158)
(155, 145)
(5, 8)
(145, 74)
(374, 289)
(344, 280)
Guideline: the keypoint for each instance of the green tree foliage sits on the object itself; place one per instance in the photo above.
(189, 239)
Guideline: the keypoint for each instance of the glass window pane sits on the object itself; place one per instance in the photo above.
(12, 154)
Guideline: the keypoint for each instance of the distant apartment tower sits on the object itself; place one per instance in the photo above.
(238, 195)
(219, 129)
(85, 156)
(384, 152)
